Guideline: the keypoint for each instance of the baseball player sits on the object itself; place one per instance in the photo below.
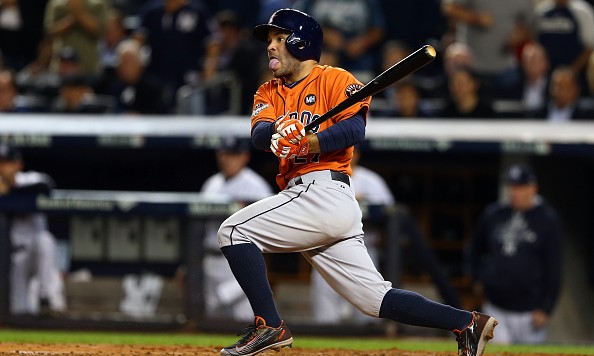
(33, 246)
(316, 212)
(223, 296)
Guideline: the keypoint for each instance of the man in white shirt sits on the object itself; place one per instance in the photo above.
(223, 295)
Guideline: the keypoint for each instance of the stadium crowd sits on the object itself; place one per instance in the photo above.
(512, 59)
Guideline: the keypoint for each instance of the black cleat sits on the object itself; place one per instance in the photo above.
(472, 340)
(259, 337)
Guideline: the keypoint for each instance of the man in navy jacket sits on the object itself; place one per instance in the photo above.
(516, 259)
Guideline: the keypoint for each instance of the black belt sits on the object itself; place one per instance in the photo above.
(338, 176)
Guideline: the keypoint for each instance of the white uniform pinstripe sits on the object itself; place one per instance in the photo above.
(33, 257)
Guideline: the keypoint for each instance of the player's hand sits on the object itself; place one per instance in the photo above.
(282, 148)
(291, 129)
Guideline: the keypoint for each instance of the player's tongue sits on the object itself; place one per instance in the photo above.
(274, 64)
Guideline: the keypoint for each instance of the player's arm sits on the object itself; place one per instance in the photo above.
(262, 134)
(343, 134)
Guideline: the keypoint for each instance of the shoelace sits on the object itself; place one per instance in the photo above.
(247, 333)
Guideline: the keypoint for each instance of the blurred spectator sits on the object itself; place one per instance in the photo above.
(176, 32)
(516, 257)
(69, 62)
(239, 55)
(407, 101)
(9, 96)
(21, 28)
(37, 77)
(135, 91)
(564, 91)
(236, 181)
(352, 29)
(76, 96)
(392, 53)
(535, 79)
(11, 25)
(114, 34)
(493, 30)
(78, 24)
(33, 256)
(465, 100)
(455, 55)
(372, 189)
(8, 91)
(565, 29)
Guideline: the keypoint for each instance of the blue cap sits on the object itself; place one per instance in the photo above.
(234, 144)
(520, 174)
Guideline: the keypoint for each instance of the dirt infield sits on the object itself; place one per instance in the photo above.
(133, 350)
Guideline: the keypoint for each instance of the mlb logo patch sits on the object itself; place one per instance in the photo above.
(310, 99)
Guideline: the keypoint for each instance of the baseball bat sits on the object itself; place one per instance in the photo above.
(408, 65)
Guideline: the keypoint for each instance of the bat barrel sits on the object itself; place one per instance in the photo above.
(408, 65)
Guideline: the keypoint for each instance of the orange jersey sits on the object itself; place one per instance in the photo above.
(324, 88)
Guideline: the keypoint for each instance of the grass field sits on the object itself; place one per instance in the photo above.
(303, 342)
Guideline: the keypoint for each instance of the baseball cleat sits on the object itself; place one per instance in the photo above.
(260, 337)
(472, 340)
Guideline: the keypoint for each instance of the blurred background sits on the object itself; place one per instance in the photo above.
(115, 114)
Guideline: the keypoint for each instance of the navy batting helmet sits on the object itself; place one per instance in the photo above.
(305, 41)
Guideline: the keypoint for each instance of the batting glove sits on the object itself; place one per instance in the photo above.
(282, 148)
(291, 129)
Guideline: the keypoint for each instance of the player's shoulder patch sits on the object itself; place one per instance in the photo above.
(258, 108)
(352, 89)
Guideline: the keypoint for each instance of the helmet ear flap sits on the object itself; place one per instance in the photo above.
(297, 43)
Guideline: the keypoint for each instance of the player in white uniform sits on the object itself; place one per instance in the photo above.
(33, 257)
(223, 295)
(328, 306)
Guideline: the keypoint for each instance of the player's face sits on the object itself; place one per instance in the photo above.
(9, 169)
(282, 63)
(230, 163)
(521, 196)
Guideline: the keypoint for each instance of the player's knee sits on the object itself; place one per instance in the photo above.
(223, 235)
(368, 309)
(228, 234)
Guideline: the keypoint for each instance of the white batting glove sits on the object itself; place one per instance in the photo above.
(282, 148)
(291, 129)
